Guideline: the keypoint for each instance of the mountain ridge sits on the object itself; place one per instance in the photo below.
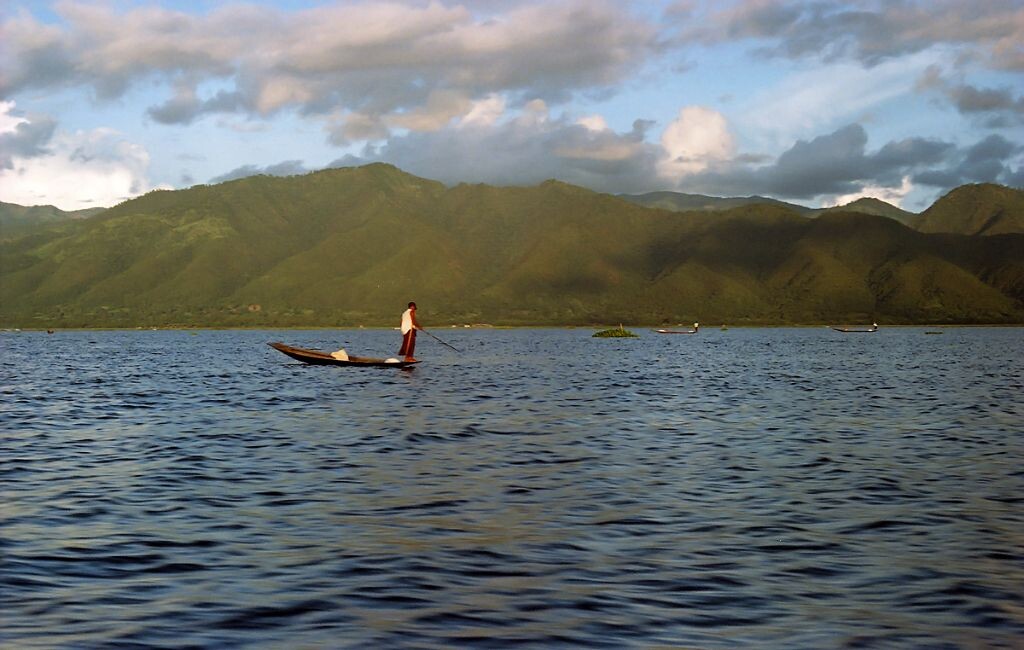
(976, 209)
(17, 219)
(683, 202)
(868, 205)
(349, 246)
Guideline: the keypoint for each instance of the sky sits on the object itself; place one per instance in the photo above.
(815, 102)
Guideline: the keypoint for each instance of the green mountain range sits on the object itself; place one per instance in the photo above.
(346, 247)
(17, 220)
(875, 207)
(683, 202)
(983, 209)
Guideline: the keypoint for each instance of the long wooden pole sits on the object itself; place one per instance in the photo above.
(441, 342)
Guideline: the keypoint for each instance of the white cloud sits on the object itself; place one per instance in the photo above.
(277, 92)
(696, 139)
(534, 114)
(593, 123)
(812, 100)
(8, 121)
(441, 107)
(405, 63)
(526, 146)
(484, 112)
(867, 31)
(84, 169)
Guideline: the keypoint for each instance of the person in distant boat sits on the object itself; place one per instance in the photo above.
(409, 327)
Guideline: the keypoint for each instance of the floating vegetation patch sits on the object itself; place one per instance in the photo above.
(616, 332)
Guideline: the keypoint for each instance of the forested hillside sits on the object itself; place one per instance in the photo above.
(352, 246)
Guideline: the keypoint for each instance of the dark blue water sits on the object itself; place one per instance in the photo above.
(776, 488)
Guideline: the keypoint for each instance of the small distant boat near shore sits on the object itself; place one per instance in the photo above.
(340, 358)
(851, 330)
(934, 332)
(696, 328)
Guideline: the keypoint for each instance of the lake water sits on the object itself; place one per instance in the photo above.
(749, 488)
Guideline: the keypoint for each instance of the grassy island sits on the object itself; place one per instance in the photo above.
(615, 332)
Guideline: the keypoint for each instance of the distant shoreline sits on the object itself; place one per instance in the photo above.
(298, 328)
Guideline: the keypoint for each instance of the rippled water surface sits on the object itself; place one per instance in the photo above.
(786, 488)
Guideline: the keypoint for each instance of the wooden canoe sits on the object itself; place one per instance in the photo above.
(696, 328)
(861, 330)
(318, 358)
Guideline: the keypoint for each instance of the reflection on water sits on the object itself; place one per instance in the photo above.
(794, 488)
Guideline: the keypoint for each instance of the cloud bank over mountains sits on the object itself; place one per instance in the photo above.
(389, 64)
(503, 93)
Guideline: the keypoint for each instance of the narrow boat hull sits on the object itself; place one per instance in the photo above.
(318, 358)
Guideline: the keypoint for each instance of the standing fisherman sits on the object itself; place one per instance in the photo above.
(409, 327)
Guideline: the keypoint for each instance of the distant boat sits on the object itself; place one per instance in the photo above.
(850, 330)
(318, 358)
(696, 328)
